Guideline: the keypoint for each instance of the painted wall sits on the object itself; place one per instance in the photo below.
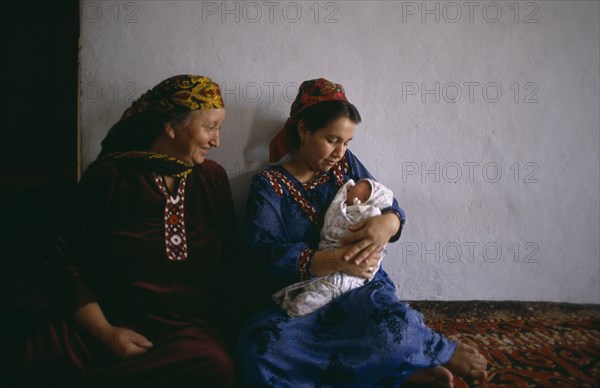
(481, 116)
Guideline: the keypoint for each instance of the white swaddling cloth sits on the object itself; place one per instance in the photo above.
(305, 297)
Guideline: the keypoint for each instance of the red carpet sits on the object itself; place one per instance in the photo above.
(527, 344)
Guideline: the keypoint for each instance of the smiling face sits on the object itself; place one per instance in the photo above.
(322, 149)
(191, 140)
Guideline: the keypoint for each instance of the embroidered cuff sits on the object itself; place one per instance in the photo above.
(305, 263)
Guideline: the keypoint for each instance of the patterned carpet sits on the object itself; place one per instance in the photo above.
(527, 344)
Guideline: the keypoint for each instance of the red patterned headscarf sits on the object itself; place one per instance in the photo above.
(311, 92)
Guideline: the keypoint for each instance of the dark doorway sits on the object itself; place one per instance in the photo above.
(38, 160)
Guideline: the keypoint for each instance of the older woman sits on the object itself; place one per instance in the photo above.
(364, 338)
(143, 253)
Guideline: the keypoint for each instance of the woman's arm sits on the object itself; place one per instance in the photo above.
(123, 342)
(274, 252)
(277, 247)
(370, 236)
(328, 261)
(82, 224)
(229, 309)
(286, 260)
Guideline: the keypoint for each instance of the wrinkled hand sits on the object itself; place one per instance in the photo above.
(370, 236)
(125, 343)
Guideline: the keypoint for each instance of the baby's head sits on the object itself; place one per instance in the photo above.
(361, 191)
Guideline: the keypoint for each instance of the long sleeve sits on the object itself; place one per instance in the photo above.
(79, 228)
(215, 177)
(227, 290)
(271, 235)
(284, 219)
(229, 226)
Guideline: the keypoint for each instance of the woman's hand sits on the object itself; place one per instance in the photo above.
(370, 236)
(123, 342)
(366, 269)
(332, 260)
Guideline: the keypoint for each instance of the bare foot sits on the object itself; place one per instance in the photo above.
(467, 362)
(438, 377)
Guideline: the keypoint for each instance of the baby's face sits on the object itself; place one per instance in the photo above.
(361, 190)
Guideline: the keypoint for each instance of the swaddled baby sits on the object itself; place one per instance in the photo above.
(352, 203)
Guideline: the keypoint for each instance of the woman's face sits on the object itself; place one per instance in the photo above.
(322, 149)
(191, 142)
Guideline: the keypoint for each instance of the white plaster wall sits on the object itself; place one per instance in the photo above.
(501, 190)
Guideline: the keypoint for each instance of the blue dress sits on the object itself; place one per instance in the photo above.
(364, 338)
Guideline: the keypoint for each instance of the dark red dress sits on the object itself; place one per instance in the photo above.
(155, 261)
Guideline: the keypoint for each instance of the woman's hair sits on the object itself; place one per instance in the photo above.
(319, 116)
(137, 133)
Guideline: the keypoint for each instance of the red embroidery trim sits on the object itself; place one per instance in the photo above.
(305, 263)
(322, 179)
(275, 177)
(175, 237)
(339, 170)
(271, 177)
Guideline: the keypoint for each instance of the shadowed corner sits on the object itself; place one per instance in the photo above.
(38, 164)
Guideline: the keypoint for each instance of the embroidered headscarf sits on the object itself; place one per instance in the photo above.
(178, 94)
(143, 121)
(310, 93)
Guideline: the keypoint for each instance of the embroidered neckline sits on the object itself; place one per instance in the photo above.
(155, 162)
(175, 235)
(338, 171)
(277, 177)
(281, 176)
